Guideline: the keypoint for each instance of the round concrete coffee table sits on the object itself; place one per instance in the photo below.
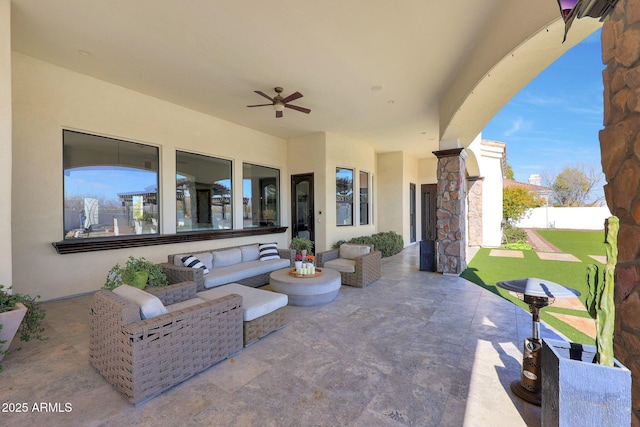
(306, 291)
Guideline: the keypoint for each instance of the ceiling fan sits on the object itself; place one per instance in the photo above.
(279, 103)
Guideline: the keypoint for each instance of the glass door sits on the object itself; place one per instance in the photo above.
(302, 217)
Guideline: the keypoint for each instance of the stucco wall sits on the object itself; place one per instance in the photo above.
(5, 143)
(489, 155)
(396, 171)
(342, 151)
(428, 170)
(308, 155)
(47, 99)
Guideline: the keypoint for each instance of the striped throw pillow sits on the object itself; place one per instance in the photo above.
(268, 251)
(193, 262)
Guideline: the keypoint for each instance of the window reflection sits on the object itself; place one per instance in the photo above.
(110, 187)
(344, 196)
(203, 192)
(261, 196)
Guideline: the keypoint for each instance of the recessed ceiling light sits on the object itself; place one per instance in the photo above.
(84, 52)
(376, 88)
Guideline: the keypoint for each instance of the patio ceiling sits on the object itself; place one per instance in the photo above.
(398, 75)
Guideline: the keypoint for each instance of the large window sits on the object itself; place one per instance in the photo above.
(110, 186)
(203, 192)
(260, 196)
(344, 196)
(364, 198)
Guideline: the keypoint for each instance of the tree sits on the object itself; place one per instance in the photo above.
(508, 173)
(516, 201)
(573, 185)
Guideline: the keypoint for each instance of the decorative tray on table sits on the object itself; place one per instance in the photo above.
(293, 273)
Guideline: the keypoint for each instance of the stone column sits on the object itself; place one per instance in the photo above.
(620, 151)
(450, 211)
(474, 198)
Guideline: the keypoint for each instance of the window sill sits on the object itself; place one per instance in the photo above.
(108, 243)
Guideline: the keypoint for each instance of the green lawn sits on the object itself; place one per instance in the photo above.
(486, 271)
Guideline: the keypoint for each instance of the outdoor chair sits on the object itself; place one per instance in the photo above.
(359, 265)
(144, 357)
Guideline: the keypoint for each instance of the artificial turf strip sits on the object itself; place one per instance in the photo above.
(578, 243)
(486, 271)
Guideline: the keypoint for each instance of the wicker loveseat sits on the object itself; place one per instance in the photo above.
(359, 265)
(237, 264)
(142, 358)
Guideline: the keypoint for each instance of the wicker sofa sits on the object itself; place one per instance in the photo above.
(356, 267)
(245, 268)
(142, 358)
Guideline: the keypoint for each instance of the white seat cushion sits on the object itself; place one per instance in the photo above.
(233, 273)
(184, 304)
(150, 305)
(342, 265)
(255, 302)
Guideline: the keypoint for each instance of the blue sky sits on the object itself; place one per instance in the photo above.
(554, 121)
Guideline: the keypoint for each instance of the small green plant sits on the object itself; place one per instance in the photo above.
(511, 234)
(301, 243)
(118, 275)
(31, 326)
(600, 301)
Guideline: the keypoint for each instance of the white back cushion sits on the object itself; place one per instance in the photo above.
(350, 251)
(250, 253)
(150, 305)
(226, 258)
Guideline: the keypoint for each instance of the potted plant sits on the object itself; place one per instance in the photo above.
(301, 245)
(19, 314)
(586, 385)
(137, 272)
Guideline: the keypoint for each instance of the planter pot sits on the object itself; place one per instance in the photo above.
(577, 392)
(427, 255)
(10, 321)
(298, 264)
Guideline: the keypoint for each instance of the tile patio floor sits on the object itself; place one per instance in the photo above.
(412, 349)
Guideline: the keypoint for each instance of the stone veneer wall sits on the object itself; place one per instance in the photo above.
(451, 211)
(474, 198)
(620, 150)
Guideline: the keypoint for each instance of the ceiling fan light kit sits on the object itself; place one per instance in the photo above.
(279, 103)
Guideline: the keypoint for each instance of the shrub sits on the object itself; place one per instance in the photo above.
(388, 243)
(511, 234)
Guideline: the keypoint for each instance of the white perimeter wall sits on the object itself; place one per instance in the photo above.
(584, 218)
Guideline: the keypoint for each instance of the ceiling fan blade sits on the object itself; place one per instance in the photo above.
(278, 114)
(301, 109)
(260, 105)
(259, 92)
(292, 97)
